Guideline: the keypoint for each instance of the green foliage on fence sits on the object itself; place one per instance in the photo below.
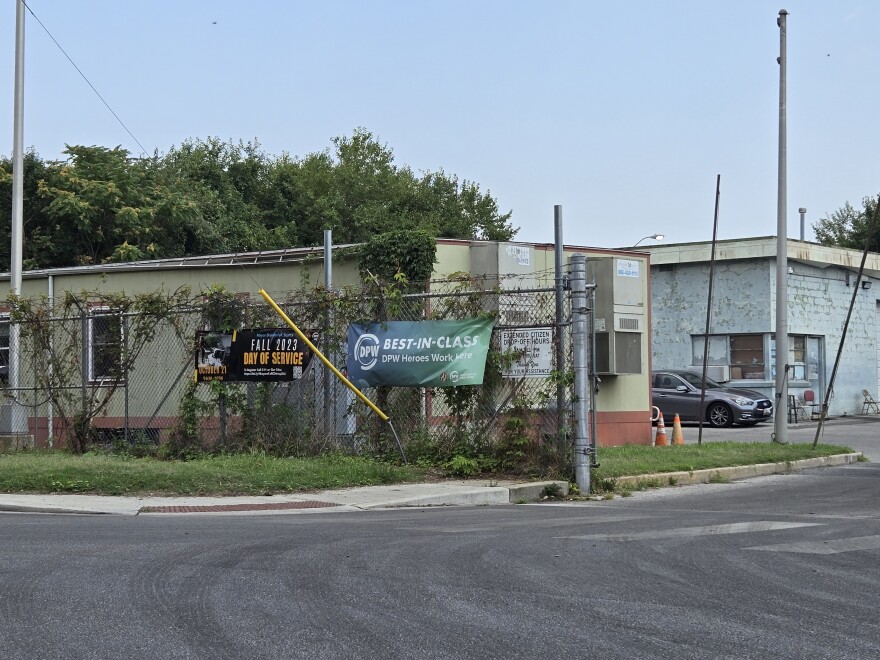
(80, 348)
(508, 423)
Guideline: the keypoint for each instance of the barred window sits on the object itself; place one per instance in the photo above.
(105, 345)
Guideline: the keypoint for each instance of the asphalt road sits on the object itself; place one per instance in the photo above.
(775, 567)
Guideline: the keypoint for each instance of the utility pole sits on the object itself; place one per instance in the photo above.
(16, 418)
(780, 430)
(579, 338)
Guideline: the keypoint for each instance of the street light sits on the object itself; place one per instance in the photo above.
(656, 237)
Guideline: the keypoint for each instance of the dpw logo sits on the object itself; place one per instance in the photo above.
(366, 351)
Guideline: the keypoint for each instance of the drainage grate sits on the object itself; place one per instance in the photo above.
(214, 508)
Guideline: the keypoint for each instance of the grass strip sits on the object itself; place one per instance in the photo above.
(258, 474)
(632, 460)
(239, 474)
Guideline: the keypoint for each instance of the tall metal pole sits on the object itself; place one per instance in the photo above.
(17, 190)
(709, 305)
(803, 212)
(329, 382)
(18, 152)
(780, 430)
(829, 392)
(560, 318)
(579, 339)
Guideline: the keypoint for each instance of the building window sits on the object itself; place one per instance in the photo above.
(105, 346)
(747, 357)
(718, 353)
(738, 357)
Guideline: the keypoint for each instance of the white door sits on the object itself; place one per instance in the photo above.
(876, 391)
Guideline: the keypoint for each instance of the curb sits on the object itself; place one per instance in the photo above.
(41, 508)
(484, 496)
(734, 473)
(534, 491)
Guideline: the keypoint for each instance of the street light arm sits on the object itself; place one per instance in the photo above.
(656, 237)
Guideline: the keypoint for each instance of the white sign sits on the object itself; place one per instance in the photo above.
(533, 348)
(520, 253)
(627, 268)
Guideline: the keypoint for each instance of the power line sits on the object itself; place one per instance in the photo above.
(88, 82)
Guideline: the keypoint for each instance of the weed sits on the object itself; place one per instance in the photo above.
(673, 481)
(608, 496)
(603, 485)
(718, 478)
(462, 466)
(551, 492)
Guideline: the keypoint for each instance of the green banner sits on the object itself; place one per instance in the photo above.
(419, 353)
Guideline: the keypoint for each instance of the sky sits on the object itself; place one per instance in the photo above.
(623, 113)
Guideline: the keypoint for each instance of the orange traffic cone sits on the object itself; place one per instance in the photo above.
(677, 438)
(660, 439)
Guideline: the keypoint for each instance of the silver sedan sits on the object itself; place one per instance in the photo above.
(678, 391)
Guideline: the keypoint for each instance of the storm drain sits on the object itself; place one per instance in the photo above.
(216, 508)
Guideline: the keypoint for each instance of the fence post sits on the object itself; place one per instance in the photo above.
(579, 338)
(123, 321)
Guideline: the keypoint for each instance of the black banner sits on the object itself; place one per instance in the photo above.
(256, 355)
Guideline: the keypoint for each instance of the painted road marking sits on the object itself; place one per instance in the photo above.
(502, 526)
(708, 530)
(830, 547)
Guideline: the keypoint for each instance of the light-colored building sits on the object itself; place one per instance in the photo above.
(622, 319)
(821, 284)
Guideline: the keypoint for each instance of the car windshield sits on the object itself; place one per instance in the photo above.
(697, 380)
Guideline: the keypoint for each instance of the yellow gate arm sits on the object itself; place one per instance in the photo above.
(327, 363)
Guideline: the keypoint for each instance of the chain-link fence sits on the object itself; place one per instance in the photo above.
(128, 377)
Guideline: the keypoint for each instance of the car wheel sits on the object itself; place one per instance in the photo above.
(719, 415)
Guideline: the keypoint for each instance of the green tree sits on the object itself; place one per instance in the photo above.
(358, 192)
(37, 230)
(456, 209)
(101, 205)
(848, 227)
(213, 196)
(226, 181)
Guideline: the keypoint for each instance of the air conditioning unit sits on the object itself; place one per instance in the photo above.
(619, 318)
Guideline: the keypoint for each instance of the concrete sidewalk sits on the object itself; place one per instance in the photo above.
(446, 493)
(861, 433)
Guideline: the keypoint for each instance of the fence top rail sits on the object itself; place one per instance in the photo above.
(480, 292)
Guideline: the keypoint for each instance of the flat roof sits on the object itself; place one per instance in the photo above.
(763, 247)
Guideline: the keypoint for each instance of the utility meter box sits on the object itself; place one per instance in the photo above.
(619, 315)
